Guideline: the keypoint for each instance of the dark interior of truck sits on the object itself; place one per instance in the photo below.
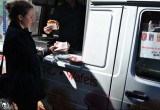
(47, 11)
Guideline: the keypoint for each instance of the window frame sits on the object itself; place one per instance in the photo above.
(137, 47)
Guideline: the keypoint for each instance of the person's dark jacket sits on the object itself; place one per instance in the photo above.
(24, 60)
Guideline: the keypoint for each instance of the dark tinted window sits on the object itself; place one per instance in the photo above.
(148, 58)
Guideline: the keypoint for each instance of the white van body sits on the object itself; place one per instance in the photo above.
(112, 46)
(107, 80)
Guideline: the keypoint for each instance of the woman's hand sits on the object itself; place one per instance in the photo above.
(41, 49)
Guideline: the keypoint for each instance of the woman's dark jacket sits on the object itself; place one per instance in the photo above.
(24, 60)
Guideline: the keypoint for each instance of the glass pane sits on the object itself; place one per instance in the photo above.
(35, 25)
(37, 12)
(148, 59)
(4, 21)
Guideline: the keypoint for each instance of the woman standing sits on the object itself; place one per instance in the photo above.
(22, 58)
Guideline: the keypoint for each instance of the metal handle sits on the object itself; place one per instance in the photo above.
(137, 95)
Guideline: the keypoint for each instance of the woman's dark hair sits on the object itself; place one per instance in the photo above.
(18, 8)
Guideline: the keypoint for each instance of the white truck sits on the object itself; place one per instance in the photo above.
(121, 57)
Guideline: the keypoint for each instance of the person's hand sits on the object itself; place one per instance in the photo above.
(52, 48)
(40, 49)
(150, 22)
(14, 106)
(40, 106)
(48, 29)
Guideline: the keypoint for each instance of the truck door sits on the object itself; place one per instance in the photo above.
(102, 31)
(143, 77)
(122, 56)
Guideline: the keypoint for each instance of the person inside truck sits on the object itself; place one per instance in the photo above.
(154, 26)
(71, 18)
(22, 58)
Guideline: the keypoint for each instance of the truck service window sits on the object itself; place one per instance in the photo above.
(71, 21)
(148, 58)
